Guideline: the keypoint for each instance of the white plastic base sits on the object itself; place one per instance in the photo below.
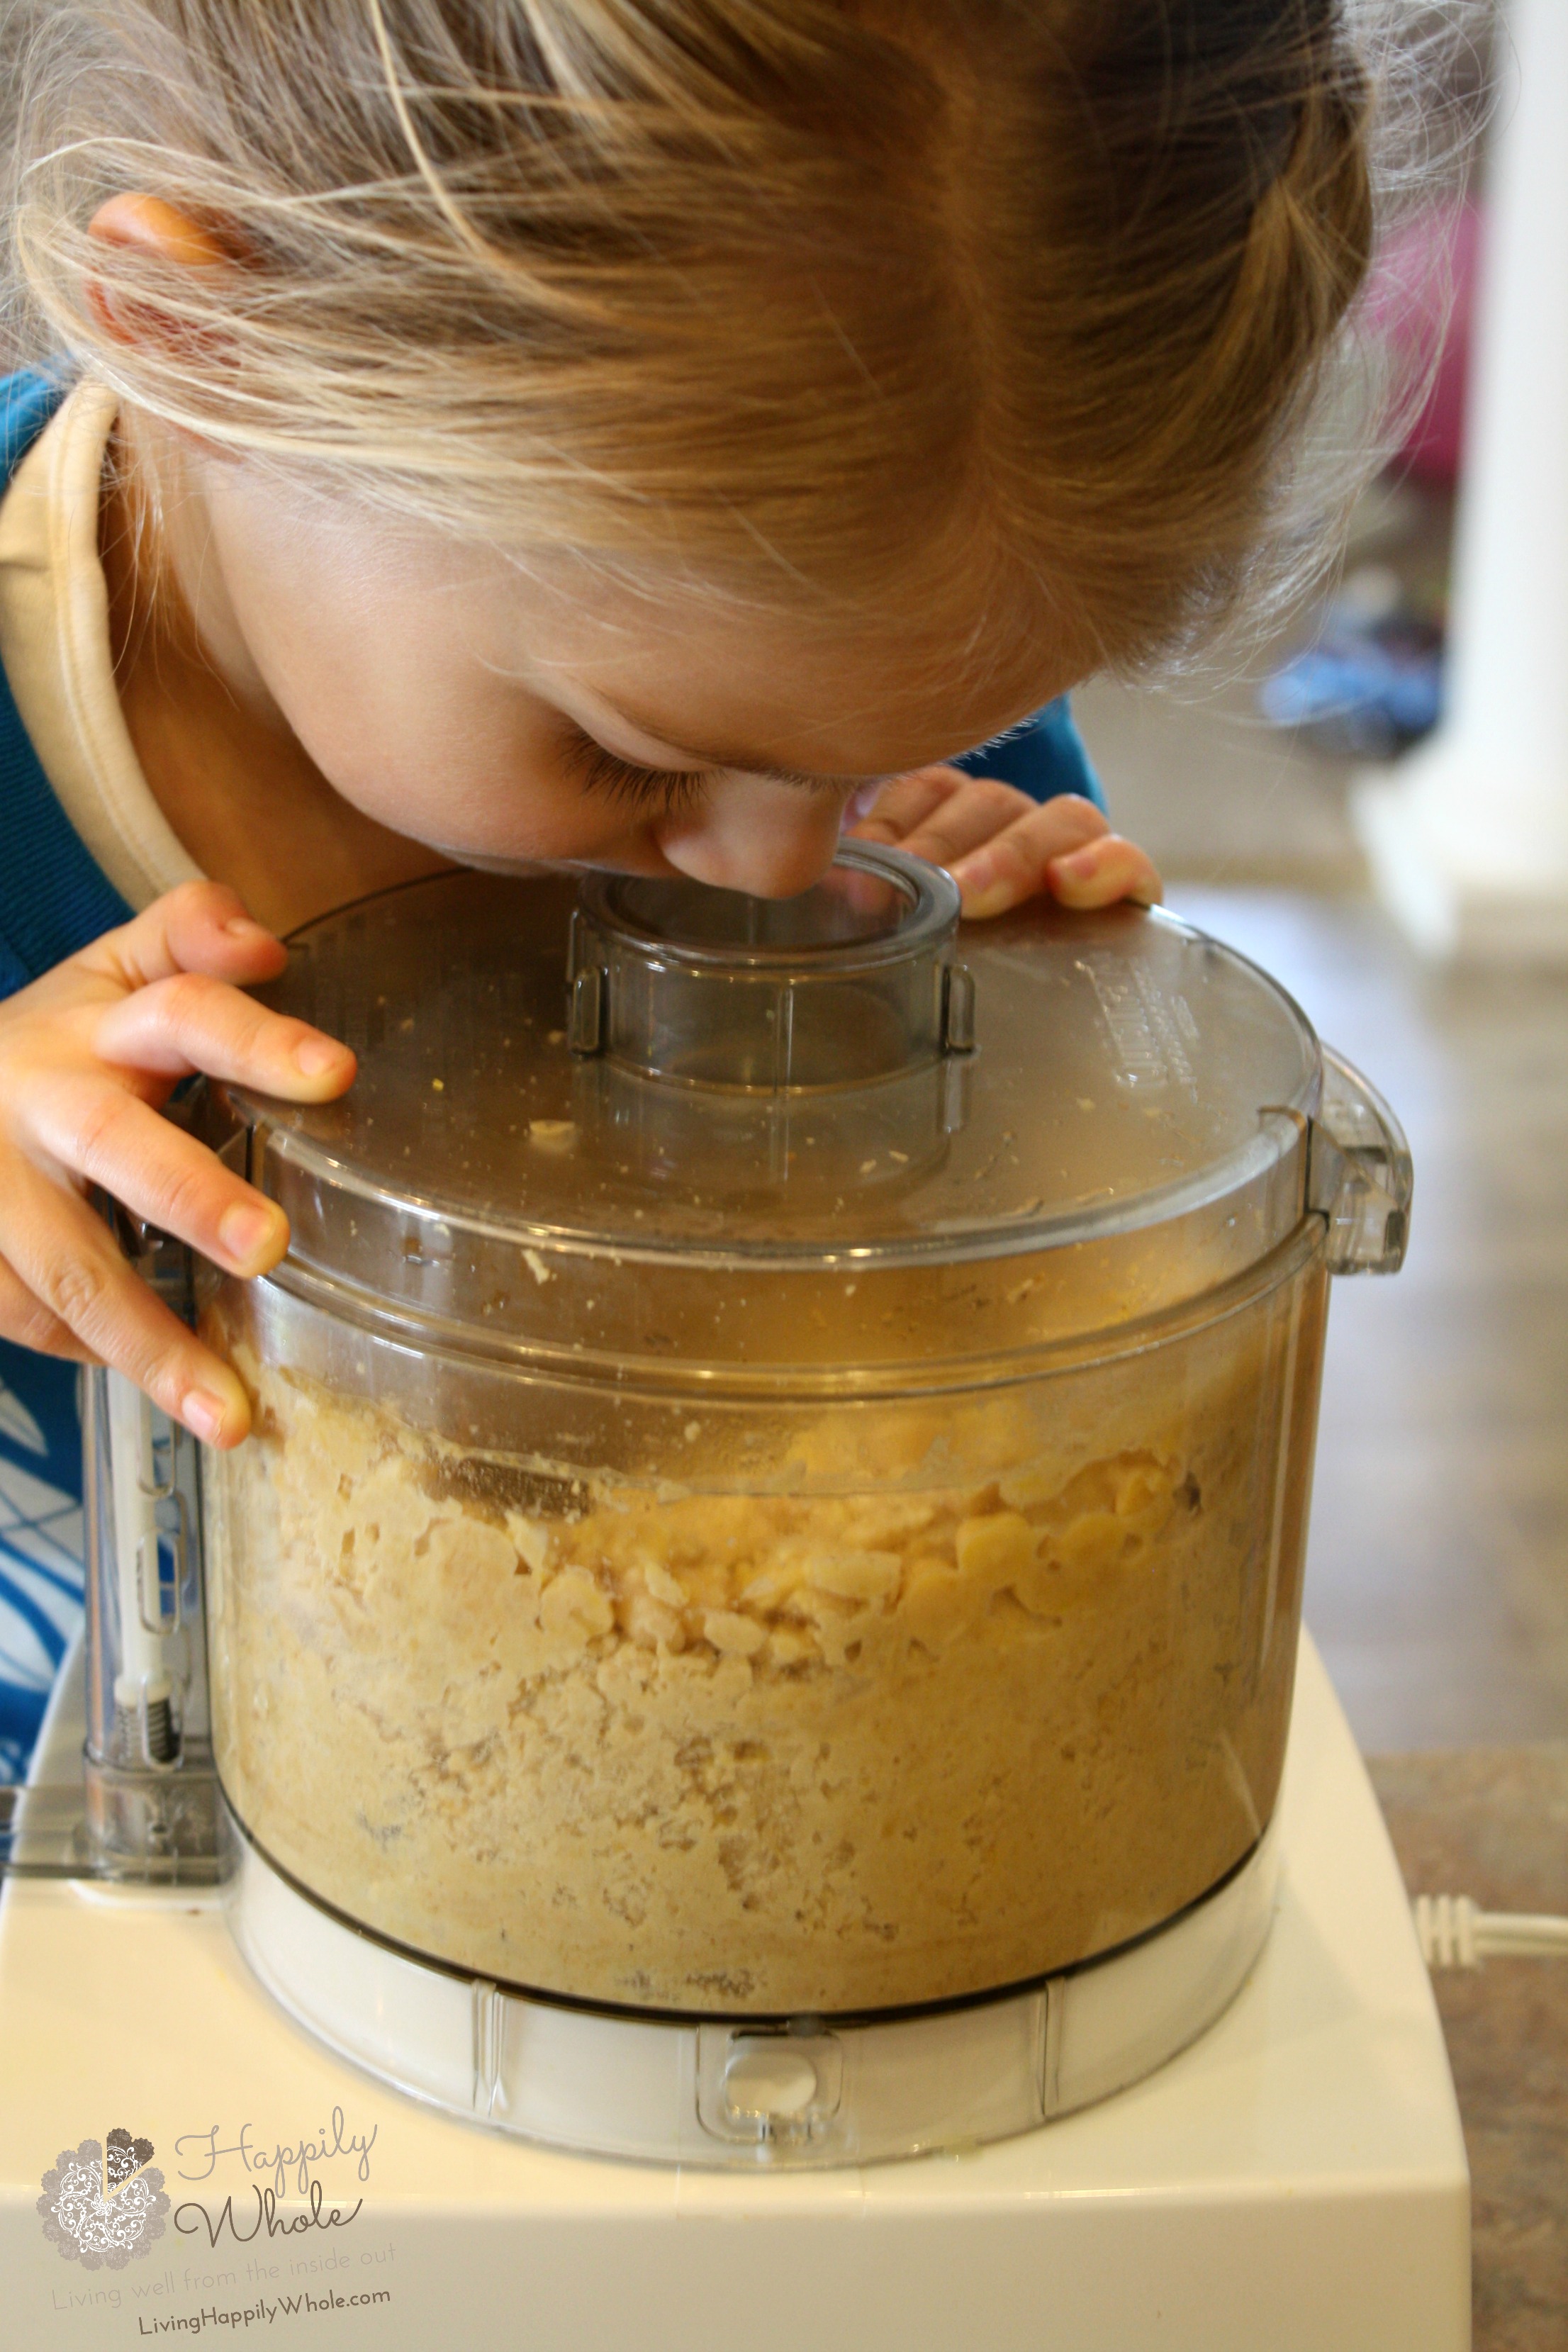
(1294, 2182)
(731, 2093)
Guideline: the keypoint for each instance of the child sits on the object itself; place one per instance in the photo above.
(625, 432)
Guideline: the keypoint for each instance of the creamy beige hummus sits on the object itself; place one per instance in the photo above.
(776, 1751)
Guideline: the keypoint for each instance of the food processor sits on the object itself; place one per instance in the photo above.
(755, 1631)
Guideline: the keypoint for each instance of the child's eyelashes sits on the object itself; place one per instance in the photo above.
(669, 790)
(680, 789)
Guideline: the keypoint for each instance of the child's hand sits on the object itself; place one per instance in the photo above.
(1000, 847)
(86, 1056)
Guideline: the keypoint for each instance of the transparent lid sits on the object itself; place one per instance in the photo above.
(560, 1084)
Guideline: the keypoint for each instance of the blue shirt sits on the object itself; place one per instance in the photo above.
(54, 901)
(1043, 757)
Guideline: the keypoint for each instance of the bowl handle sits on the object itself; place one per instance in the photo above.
(1359, 1173)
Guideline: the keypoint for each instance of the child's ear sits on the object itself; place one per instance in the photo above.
(142, 224)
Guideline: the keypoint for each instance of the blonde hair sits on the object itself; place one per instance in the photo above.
(804, 300)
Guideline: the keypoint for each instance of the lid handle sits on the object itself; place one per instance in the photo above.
(1359, 1173)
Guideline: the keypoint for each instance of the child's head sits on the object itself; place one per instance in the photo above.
(944, 349)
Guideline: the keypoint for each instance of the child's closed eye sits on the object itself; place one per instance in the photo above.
(668, 790)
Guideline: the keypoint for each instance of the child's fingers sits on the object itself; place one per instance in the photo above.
(1013, 864)
(66, 1257)
(1104, 871)
(906, 802)
(104, 1136)
(201, 927)
(981, 811)
(31, 1324)
(1000, 847)
(189, 1022)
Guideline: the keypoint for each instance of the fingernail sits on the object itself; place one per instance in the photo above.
(240, 927)
(316, 1055)
(975, 873)
(245, 1231)
(980, 904)
(205, 1415)
(1080, 862)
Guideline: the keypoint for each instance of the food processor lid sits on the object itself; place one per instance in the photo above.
(662, 1067)
(654, 1072)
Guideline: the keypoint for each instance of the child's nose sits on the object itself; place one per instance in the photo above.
(771, 840)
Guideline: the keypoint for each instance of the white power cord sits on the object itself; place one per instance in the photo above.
(1453, 1932)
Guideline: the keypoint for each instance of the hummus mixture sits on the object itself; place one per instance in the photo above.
(773, 1751)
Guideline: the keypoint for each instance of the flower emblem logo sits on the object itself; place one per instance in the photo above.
(103, 2203)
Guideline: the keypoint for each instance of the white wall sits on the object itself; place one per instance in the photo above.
(1468, 842)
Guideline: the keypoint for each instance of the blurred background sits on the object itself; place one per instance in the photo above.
(1375, 808)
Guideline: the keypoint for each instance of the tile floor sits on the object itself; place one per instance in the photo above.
(1493, 1822)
